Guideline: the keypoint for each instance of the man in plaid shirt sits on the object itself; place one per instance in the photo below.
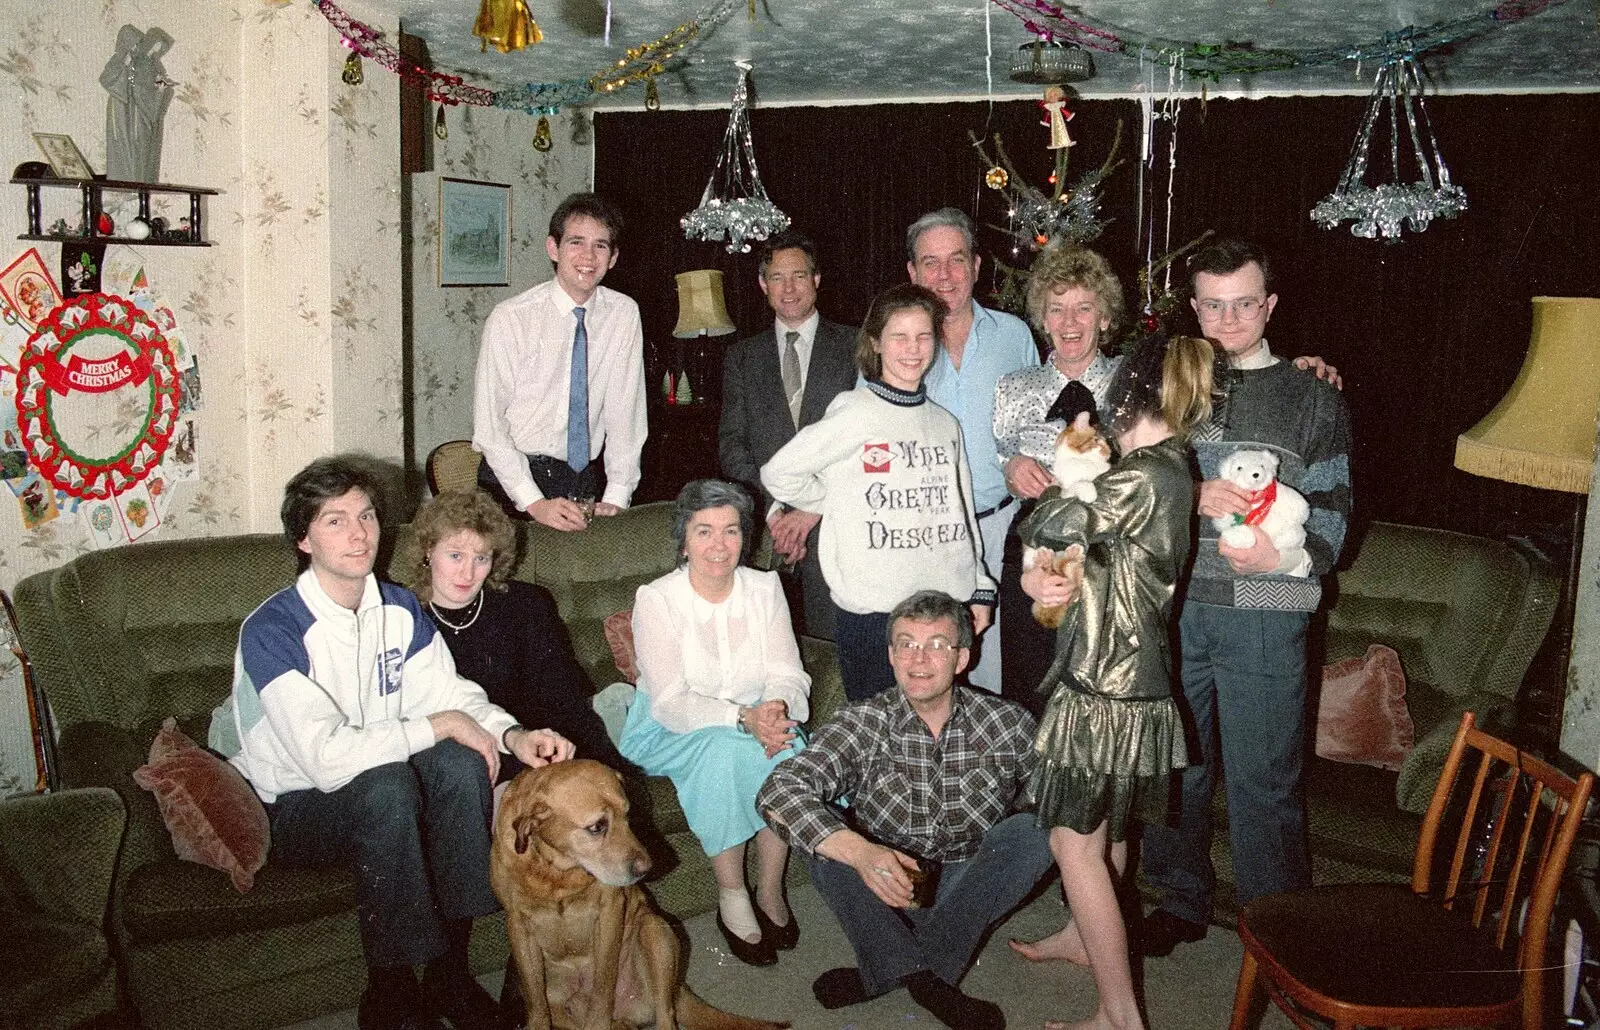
(928, 770)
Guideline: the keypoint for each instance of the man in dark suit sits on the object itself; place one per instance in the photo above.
(775, 382)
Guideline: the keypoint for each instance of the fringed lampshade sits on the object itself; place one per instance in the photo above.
(1542, 433)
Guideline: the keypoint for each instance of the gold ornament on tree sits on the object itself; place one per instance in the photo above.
(507, 24)
(541, 135)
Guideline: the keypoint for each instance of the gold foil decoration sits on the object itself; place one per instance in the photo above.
(652, 95)
(541, 136)
(352, 74)
(996, 178)
(507, 24)
(440, 129)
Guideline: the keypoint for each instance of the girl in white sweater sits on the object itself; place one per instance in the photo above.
(885, 469)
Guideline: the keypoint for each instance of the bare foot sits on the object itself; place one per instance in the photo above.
(1099, 1021)
(1063, 945)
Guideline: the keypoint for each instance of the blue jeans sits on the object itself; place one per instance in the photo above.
(1244, 685)
(414, 834)
(891, 944)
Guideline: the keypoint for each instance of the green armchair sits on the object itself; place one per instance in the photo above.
(57, 852)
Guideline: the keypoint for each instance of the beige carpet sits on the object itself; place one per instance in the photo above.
(1191, 990)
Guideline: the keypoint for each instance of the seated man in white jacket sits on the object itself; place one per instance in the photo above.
(348, 719)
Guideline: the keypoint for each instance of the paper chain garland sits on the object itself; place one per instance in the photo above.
(735, 205)
(640, 63)
(1211, 61)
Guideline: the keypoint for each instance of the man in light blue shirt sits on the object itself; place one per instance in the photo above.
(980, 346)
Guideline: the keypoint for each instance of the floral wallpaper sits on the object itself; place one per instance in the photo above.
(446, 323)
(294, 314)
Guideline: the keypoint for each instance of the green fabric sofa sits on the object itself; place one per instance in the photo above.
(122, 639)
(54, 953)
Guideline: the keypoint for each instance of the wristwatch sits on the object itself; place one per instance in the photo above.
(506, 743)
(742, 727)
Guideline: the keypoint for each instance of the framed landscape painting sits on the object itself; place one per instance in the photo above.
(474, 233)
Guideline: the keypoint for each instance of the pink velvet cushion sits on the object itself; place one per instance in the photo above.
(1362, 717)
(212, 813)
(619, 634)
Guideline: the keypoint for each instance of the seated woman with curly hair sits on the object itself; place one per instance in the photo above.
(505, 635)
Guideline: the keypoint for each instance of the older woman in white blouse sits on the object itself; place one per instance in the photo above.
(722, 693)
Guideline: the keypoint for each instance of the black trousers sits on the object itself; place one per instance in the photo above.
(416, 836)
(1027, 649)
(554, 478)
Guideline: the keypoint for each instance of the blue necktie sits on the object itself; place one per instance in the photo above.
(578, 398)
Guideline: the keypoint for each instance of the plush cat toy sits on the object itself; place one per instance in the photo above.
(1278, 510)
(1081, 455)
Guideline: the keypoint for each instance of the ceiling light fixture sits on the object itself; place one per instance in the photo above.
(1046, 62)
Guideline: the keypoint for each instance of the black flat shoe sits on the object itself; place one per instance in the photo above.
(1161, 931)
(782, 938)
(760, 953)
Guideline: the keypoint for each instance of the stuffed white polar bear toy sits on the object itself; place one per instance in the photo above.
(1278, 510)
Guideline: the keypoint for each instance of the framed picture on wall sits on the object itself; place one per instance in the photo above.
(474, 233)
(66, 160)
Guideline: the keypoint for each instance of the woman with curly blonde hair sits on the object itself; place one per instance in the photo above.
(504, 634)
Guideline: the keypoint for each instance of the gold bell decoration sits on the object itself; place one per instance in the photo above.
(352, 74)
(507, 24)
(440, 129)
(541, 135)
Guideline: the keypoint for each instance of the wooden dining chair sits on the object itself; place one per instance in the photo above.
(1465, 944)
(453, 465)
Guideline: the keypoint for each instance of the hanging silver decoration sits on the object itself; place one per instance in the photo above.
(1382, 211)
(735, 206)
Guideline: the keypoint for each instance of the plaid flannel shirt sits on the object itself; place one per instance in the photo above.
(934, 798)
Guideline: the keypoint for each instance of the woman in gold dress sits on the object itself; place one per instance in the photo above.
(1111, 734)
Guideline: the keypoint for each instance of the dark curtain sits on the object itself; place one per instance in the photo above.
(1429, 332)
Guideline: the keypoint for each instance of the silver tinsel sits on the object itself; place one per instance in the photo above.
(735, 206)
(1075, 216)
(1382, 211)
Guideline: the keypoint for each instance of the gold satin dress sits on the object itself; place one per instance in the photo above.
(1111, 736)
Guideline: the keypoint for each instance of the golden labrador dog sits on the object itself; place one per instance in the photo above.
(590, 951)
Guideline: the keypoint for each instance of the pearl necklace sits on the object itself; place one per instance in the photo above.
(447, 624)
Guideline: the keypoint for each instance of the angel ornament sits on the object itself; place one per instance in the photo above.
(1054, 104)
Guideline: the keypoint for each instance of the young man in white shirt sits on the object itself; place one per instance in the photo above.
(541, 420)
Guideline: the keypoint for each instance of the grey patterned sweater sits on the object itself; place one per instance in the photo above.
(1303, 421)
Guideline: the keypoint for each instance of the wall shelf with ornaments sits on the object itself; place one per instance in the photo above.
(92, 191)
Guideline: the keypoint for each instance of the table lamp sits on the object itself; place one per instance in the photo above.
(1542, 434)
(701, 312)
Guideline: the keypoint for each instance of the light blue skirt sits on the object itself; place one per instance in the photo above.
(716, 770)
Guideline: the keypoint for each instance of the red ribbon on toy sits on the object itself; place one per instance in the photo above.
(1261, 503)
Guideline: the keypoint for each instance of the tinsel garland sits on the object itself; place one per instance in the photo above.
(1383, 210)
(1211, 61)
(640, 63)
(734, 206)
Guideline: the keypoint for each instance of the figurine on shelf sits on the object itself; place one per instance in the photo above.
(139, 93)
(59, 227)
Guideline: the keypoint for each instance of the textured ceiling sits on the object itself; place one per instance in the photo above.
(821, 51)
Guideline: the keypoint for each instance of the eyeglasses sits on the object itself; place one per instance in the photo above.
(936, 648)
(1244, 307)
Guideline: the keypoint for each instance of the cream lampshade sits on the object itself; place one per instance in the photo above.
(701, 310)
(1542, 433)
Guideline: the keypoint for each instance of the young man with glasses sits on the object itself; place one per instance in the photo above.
(934, 774)
(1244, 618)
